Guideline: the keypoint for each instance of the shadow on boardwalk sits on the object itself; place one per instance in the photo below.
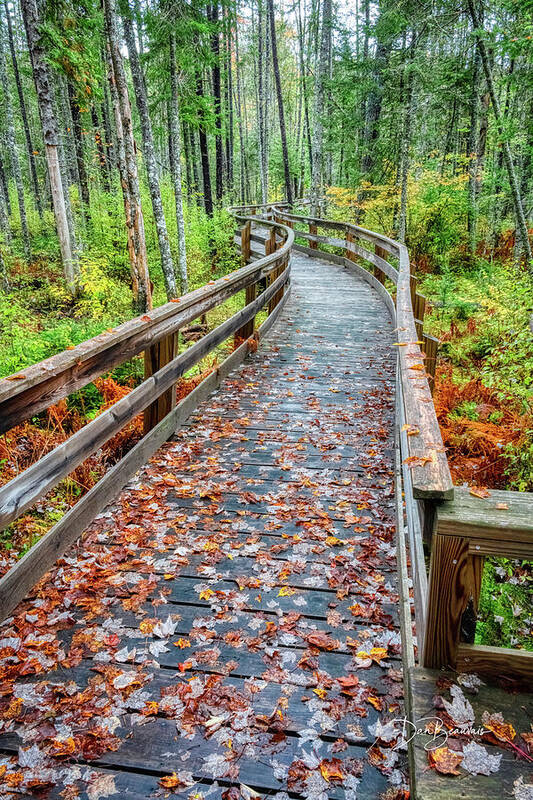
(229, 626)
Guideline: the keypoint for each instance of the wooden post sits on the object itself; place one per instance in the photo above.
(271, 278)
(453, 595)
(350, 239)
(430, 348)
(419, 311)
(313, 231)
(155, 357)
(248, 328)
(412, 285)
(270, 243)
(246, 231)
(378, 272)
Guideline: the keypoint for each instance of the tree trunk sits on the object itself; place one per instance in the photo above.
(5, 188)
(176, 172)
(373, 109)
(128, 165)
(24, 115)
(13, 150)
(215, 50)
(51, 137)
(78, 145)
(204, 149)
(229, 104)
(317, 172)
(100, 149)
(150, 163)
(281, 112)
(472, 152)
(406, 142)
(515, 190)
(242, 154)
(4, 207)
(261, 104)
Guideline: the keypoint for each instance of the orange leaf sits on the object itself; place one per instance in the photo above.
(479, 492)
(445, 760)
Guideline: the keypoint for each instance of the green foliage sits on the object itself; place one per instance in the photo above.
(505, 618)
(490, 306)
(467, 410)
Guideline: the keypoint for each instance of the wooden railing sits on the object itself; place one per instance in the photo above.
(452, 527)
(155, 333)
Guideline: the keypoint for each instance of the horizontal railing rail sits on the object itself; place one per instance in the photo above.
(36, 388)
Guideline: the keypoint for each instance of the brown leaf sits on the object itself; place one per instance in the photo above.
(444, 760)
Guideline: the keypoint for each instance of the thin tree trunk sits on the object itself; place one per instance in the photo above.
(515, 190)
(13, 150)
(167, 264)
(204, 149)
(78, 145)
(4, 207)
(472, 152)
(51, 137)
(128, 165)
(317, 172)
(5, 187)
(215, 50)
(176, 172)
(406, 142)
(229, 104)
(281, 112)
(242, 154)
(261, 105)
(100, 149)
(24, 115)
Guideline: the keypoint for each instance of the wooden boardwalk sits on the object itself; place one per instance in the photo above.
(229, 626)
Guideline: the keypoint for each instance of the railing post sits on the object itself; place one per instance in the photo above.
(155, 357)
(412, 285)
(246, 231)
(430, 347)
(350, 239)
(313, 232)
(378, 272)
(419, 311)
(453, 596)
(270, 243)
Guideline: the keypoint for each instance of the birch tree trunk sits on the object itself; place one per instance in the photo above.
(176, 172)
(51, 138)
(150, 162)
(515, 190)
(13, 150)
(281, 111)
(128, 165)
(24, 115)
(317, 170)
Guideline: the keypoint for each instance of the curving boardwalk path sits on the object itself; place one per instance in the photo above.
(229, 627)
